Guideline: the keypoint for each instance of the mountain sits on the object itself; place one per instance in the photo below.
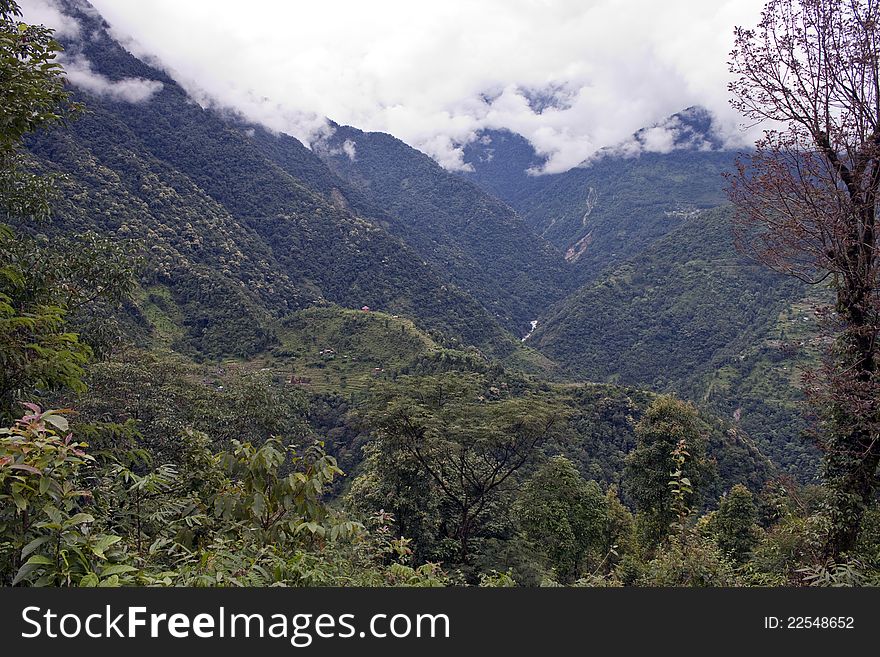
(479, 242)
(615, 204)
(241, 226)
(500, 161)
(671, 319)
(349, 304)
(664, 301)
(245, 227)
(608, 211)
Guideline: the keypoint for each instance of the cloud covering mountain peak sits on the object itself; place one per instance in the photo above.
(570, 76)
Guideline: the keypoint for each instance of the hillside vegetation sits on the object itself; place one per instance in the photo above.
(688, 315)
(228, 358)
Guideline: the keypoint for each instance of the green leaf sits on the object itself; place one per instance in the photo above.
(259, 504)
(33, 545)
(104, 541)
(117, 569)
(79, 519)
(40, 560)
(57, 421)
(54, 514)
(24, 572)
(20, 501)
(90, 581)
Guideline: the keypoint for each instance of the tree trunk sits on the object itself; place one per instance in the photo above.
(852, 484)
(853, 455)
(464, 535)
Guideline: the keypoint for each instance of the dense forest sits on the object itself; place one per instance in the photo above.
(231, 359)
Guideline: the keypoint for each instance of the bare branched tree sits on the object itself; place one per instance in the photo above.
(806, 205)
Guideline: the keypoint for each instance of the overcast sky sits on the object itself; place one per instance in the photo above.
(434, 72)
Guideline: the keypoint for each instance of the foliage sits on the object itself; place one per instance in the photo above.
(48, 537)
(37, 352)
(565, 517)
(34, 97)
(690, 316)
(249, 516)
(666, 467)
(689, 560)
(468, 449)
(163, 395)
(734, 525)
(806, 203)
(183, 469)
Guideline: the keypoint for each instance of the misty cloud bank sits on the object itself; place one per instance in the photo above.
(131, 90)
(570, 76)
(78, 68)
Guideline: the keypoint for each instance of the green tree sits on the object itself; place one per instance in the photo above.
(735, 524)
(58, 307)
(668, 426)
(36, 350)
(469, 448)
(565, 516)
(33, 97)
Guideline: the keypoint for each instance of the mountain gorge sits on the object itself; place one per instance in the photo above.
(629, 280)
(476, 240)
(459, 344)
(663, 299)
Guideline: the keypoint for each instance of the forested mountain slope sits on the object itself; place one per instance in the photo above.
(478, 241)
(210, 439)
(166, 171)
(615, 204)
(672, 317)
(666, 302)
(608, 211)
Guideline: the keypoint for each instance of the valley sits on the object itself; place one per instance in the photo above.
(340, 363)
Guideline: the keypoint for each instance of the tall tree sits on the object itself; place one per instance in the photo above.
(469, 449)
(33, 97)
(806, 203)
(669, 427)
(566, 515)
(36, 351)
(53, 291)
(735, 523)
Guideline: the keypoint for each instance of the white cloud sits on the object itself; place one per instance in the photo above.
(78, 68)
(683, 130)
(348, 147)
(658, 139)
(46, 12)
(435, 73)
(131, 90)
